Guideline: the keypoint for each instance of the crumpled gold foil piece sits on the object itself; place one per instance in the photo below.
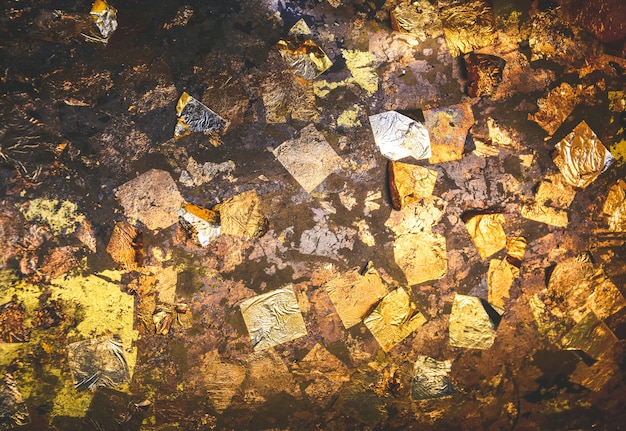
(303, 56)
(419, 216)
(487, 233)
(202, 224)
(98, 362)
(617, 101)
(467, 25)
(222, 380)
(104, 17)
(241, 216)
(615, 206)
(555, 107)
(591, 336)
(430, 379)
(394, 319)
(421, 256)
(284, 97)
(500, 277)
(125, 246)
(354, 295)
(409, 183)
(273, 318)
(447, 127)
(194, 116)
(581, 157)
(515, 249)
(13, 409)
(470, 324)
(309, 158)
(419, 18)
(484, 73)
(552, 199)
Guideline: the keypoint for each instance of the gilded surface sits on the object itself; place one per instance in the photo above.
(309, 159)
(421, 255)
(241, 216)
(13, 409)
(590, 335)
(448, 127)
(305, 58)
(409, 183)
(470, 325)
(354, 295)
(430, 379)
(419, 18)
(97, 363)
(398, 136)
(555, 107)
(552, 199)
(467, 26)
(581, 157)
(615, 207)
(487, 233)
(273, 318)
(500, 277)
(419, 216)
(394, 319)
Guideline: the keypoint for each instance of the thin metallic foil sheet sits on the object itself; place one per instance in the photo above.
(13, 409)
(325, 375)
(473, 323)
(419, 18)
(615, 207)
(152, 198)
(394, 319)
(273, 318)
(581, 157)
(484, 73)
(447, 127)
(309, 158)
(201, 224)
(99, 362)
(552, 39)
(104, 17)
(221, 381)
(500, 277)
(591, 336)
(487, 232)
(354, 294)
(596, 375)
(430, 379)
(467, 25)
(284, 98)
(421, 256)
(555, 107)
(194, 117)
(125, 246)
(552, 199)
(419, 216)
(241, 216)
(409, 183)
(303, 56)
(399, 136)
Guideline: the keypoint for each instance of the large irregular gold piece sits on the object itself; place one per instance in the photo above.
(303, 56)
(273, 318)
(553, 39)
(325, 372)
(487, 233)
(202, 224)
(421, 255)
(394, 319)
(152, 198)
(470, 324)
(430, 379)
(447, 127)
(354, 295)
(615, 206)
(555, 107)
(195, 117)
(241, 216)
(467, 25)
(409, 183)
(125, 246)
(554, 195)
(309, 158)
(590, 335)
(418, 18)
(98, 362)
(595, 376)
(500, 277)
(581, 157)
(267, 376)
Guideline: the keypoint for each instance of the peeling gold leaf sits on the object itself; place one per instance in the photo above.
(500, 277)
(419, 18)
(419, 216)
(409, 183)
(394, 319)
(470, 324)
(430, 379)
(555, 107)
(487, 233)
(304, 57)
(596, 376)
(126, 246)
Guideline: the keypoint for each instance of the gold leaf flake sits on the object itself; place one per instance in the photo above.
(615, 206)
(487, 233)
(241, 216)
(470, 324)
(421, 256)
(591, 336)
(409, 183)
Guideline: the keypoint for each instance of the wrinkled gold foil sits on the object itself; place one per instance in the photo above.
(193, 116)
(591, 336)
(241, 216)
(487, 233)
(430, 379)
(421, 256)
(304, 57)
(515, 248)
(201, 223)
(448, 127)
(409, 183)
(13, 409)
(284, 97)
(419, 18)
(99, 362)
(615, 207)
(104, 17)
(125, 246)
(273, 318)
(484, 73)
(309, 158)
(555, 107)
(394, 319)
(399, 136)
(223, 380)
(500, 277)
(553, 197)
(617, 101)
(467, 25)
(354, 295)
(547, 215)
(470, 325)
(581, 157)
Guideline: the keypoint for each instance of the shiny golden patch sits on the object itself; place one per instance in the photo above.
(615, 206)
(486, 232)
(471, 325)
(409, 183)
(421, 256)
